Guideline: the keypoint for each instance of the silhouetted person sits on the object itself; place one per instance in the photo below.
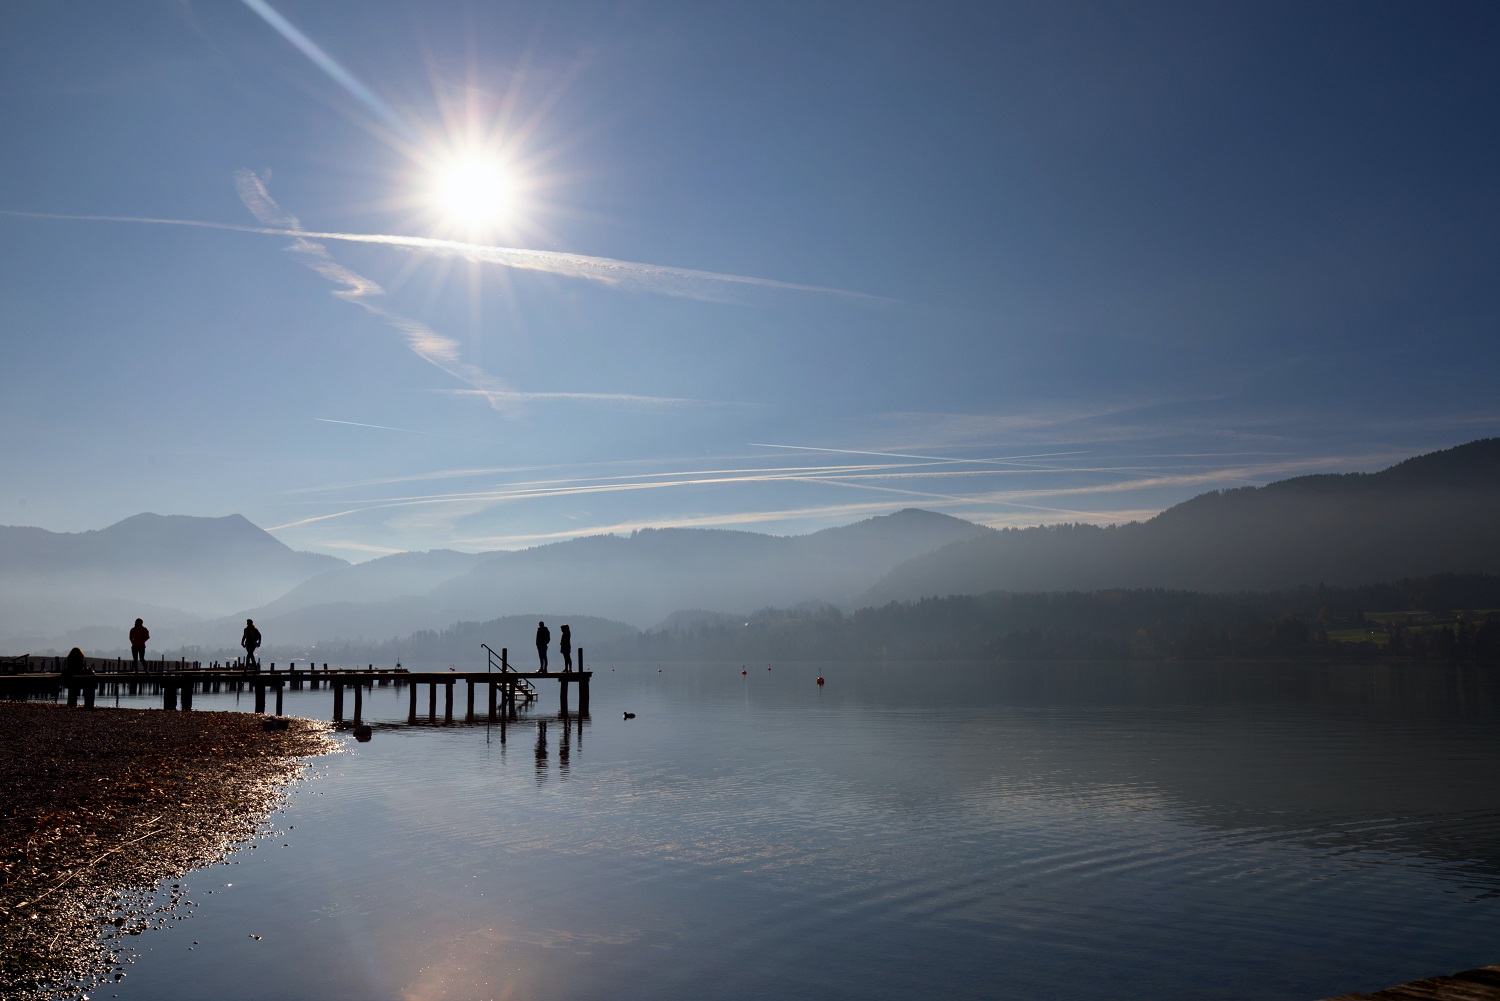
(250, 640)
(543, 637)
(75, 664)
(565, 647)
(139, 634)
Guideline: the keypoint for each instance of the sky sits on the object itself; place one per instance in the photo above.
(398, 275)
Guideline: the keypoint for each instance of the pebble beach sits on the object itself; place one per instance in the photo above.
(97, 807)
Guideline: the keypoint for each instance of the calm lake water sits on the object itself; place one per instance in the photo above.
(954, 831)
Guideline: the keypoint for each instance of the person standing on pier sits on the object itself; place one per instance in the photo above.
(250, 641)
(139, 634)
(543, 637)
(565, 647)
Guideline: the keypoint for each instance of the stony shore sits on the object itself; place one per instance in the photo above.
(98, 806)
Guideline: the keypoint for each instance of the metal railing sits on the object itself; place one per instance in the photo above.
(500, 661)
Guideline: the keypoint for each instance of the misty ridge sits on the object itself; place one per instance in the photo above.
(195, 580)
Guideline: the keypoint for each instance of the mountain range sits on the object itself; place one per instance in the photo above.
(195, 580)
(1435, 513)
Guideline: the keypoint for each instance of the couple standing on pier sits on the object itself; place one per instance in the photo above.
(564, 646)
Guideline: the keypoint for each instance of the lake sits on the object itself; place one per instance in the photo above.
(962, 831)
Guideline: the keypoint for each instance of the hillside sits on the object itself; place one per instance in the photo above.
(172, 567)
(648, 575)
(1435, 513)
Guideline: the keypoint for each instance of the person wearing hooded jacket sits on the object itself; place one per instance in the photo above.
(139, 634)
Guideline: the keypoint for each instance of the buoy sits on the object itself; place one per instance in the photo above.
(820, 680)
(362, 733)
(743, 673)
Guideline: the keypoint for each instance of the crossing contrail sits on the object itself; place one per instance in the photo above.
(1007, 460)
(330, 65)
(657, 278)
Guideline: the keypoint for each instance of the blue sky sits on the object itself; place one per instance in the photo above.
(585, 267)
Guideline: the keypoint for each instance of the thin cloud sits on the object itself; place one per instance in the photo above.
(660, 279)
(361, 547)
(437, 350)
(379, 427)
(385, 427)
(730, 519)
(626, 399)
(1008, 460)
(862, 477)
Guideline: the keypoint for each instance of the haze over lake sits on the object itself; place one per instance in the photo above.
(1030, 831)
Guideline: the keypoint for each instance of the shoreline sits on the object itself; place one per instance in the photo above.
(97, 806)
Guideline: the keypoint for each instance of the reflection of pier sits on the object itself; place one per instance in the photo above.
(504, 689)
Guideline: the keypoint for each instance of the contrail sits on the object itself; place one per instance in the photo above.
(432, 347)
(331, 66)
(662, 279)
(380, 427)
(1011, 460)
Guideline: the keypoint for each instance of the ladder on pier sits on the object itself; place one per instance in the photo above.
(498, 662)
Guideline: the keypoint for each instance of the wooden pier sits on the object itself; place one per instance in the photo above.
(504, 688)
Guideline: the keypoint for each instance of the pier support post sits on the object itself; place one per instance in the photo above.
(492, 701)
(562, 684)
(583, 686)
(88, 693)
(411, 716)
(358, 703)
(469, 715)
(187, 695)
(338, 702)
(279, 690)
(448, 702)
(260, 697)
(168, 695)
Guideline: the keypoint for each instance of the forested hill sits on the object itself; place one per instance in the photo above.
(1436, 513)
(1444, 617)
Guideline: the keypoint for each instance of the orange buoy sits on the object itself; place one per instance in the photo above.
(820, 680)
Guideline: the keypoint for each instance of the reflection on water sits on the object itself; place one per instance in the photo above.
(1070, 832)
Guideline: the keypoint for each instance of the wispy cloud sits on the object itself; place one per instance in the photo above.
(379, 427)
(360, 547)
(1007, 460)
(660, 279)
(732, 519)
(999, 497)
(436, 349)
(622, 399)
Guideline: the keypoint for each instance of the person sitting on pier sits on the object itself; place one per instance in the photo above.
(565, 647)
(139, 634)
(75, 664)
(250, 641)
(543, 637)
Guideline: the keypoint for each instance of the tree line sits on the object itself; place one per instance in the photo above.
(1447, 616)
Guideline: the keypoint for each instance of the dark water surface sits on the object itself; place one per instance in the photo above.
(953, 831)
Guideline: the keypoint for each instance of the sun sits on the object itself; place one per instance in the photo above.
(475, 193)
